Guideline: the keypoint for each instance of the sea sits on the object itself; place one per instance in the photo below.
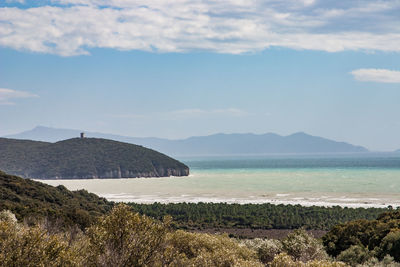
(347, 180)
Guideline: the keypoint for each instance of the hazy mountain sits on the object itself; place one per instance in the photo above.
(85, 158)
(217, 144)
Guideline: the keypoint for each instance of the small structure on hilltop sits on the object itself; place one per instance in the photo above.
(82, 135)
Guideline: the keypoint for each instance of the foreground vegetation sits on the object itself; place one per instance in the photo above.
(125, 238)
(362, 240)
(255, 216)
(30, 200)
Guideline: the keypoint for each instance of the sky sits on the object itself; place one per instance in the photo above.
(183, 68)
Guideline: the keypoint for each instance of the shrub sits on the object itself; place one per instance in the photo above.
(33, 246)
(303, 247)
(7, 216)
(124, 238)
(387, 261)
(284, 260)
(266, 249)
(380, 236)
(390, 245)
(354, 255)
(195, 249)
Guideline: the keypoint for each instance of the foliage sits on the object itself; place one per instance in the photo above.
(303, 247)
(27, 199)
(33, 246)
(298, 245)
(195, 249)
(387, 261)
(266, 249)
(378, 237)
(284, 260)
(124, 238)
(354, 255)
(84, 158)
(390, 245)
(8, 216)
(256, 216)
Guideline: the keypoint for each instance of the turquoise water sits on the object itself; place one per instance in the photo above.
(350, 180)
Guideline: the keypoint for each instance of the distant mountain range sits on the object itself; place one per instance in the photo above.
(217, 144)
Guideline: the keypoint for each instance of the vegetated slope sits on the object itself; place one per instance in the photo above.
(366, 238)
(216, 144)
(27, 198)
(85, 158)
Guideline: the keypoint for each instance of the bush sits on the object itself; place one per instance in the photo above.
(266, 249)
(354, 255)
(33, 246)
(387, 261)
(124, 238)
(380, 236)
(284, 260)
(303, 247)
(7, 216)
(390, 245)
(195, 249)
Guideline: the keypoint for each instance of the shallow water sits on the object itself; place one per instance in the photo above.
(353, 181)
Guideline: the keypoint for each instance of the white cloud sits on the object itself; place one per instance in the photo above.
(6, 95)
(72, 27)
(377, 75)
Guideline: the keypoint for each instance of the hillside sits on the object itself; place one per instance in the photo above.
(366, 238)
(27, 198)
(84, 158)
(217, 144)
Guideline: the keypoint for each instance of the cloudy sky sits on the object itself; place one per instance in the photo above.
(177, 68)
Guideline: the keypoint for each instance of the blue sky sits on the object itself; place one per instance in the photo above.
(181, 68)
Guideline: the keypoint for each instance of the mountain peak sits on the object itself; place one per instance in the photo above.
(215, 144)
(299, 134)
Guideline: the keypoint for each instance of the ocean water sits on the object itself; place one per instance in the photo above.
(359, 180)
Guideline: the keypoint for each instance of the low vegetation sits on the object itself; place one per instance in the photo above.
(125, 238)
(366, 241)
(30, 200)
(255, 216)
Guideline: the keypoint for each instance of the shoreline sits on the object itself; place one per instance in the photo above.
(143, 191)
(344, 202)
(352, 188)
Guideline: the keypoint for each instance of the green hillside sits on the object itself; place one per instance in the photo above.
(27, 198)
(85, 158)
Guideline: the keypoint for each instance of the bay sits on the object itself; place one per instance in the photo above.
(359, 180)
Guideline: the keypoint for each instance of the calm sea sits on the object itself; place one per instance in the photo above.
(358, 180)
